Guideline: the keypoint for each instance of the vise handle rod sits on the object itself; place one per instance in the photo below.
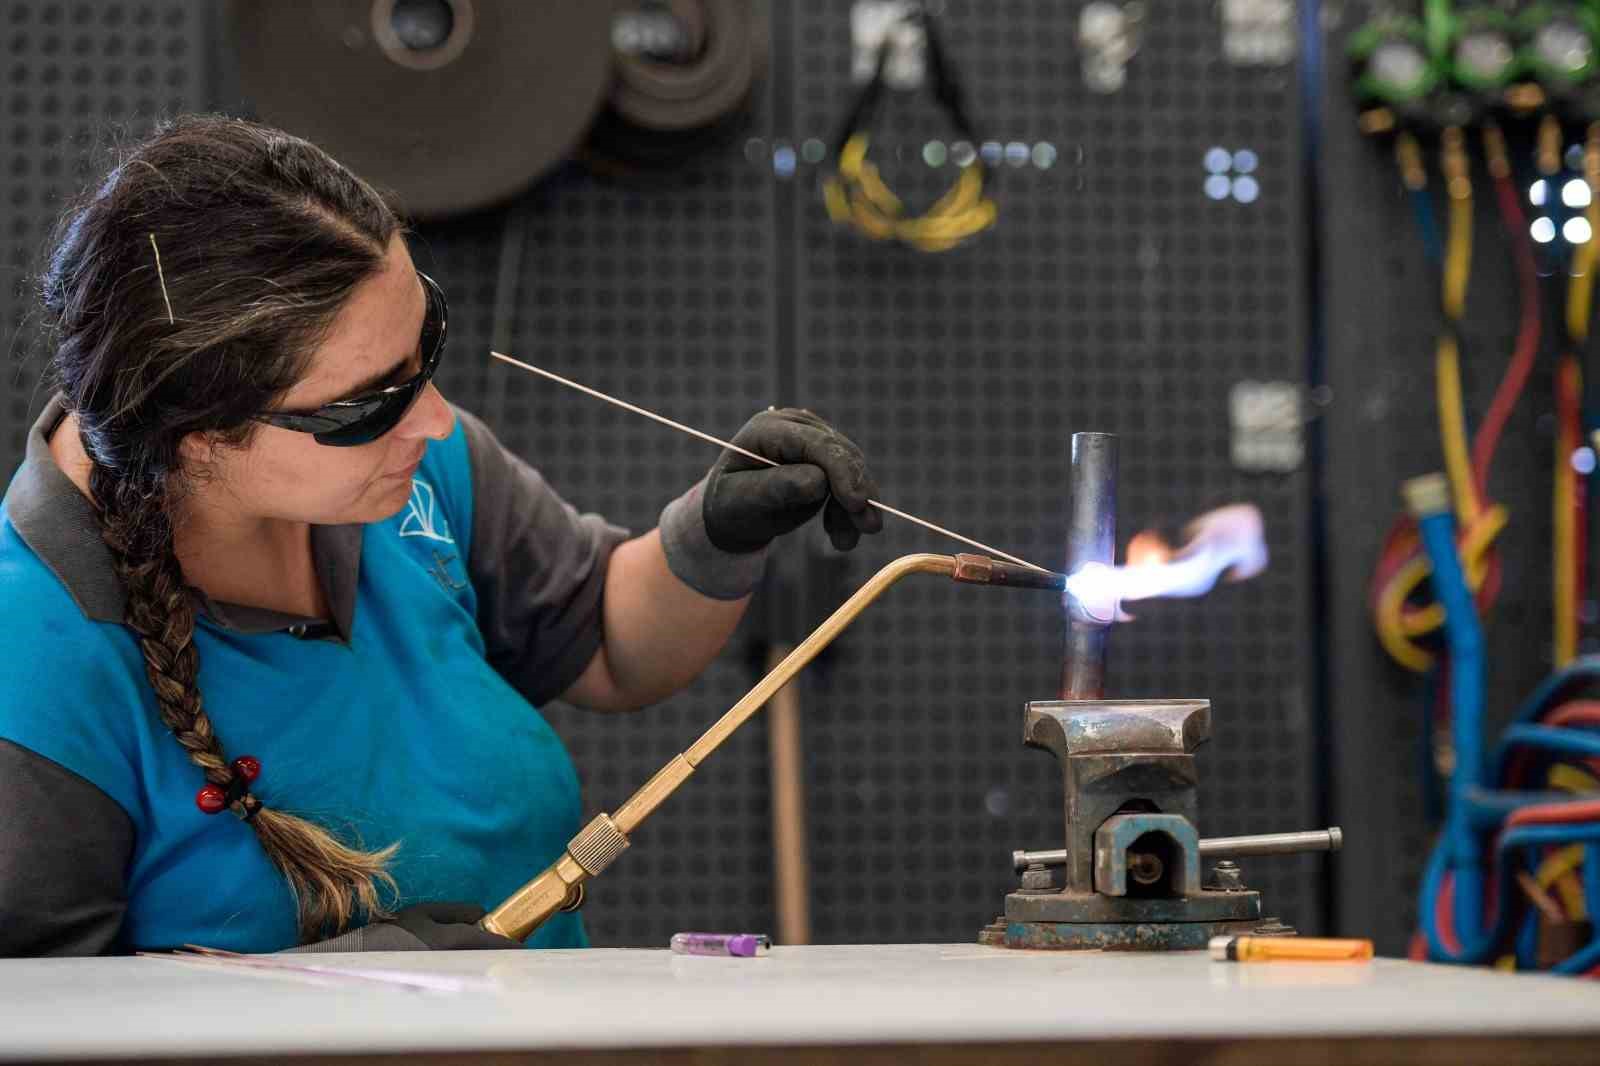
(1331, 839)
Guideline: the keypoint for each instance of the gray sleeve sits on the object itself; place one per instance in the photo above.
(538, 567)
(64, 852)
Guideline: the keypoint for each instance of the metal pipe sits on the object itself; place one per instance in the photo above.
(1091, 539)
(1261, 844)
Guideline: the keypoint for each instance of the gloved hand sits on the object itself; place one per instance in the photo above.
(419, 927)
(449, 927)
(747, 503)
(715, 535)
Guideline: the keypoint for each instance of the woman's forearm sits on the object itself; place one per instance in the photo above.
(659, 633)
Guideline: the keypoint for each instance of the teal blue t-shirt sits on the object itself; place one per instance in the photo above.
(406, 733)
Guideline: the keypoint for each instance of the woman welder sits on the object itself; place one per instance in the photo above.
(281, 616)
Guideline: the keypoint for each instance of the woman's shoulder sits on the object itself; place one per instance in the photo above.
(71, 688)
(37, 601)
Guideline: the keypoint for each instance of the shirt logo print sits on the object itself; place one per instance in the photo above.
(421, 519)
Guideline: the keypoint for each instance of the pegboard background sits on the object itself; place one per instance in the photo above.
(1381, 295)
(73, 73)
(1114, 296)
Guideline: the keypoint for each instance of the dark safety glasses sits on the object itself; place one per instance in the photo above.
(362, 419)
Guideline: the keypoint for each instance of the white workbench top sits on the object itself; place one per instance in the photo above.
(923, 993)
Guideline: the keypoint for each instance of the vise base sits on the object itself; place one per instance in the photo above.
(1122, 936)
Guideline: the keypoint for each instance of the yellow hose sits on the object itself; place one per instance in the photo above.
(1474, 547)
(1580, 289)
(1394, 632)
(1390, 604)
(1458, 254)
(1564, 599)
(857, 195)
(1453, 435)
(1569, 778)
(1396, 627)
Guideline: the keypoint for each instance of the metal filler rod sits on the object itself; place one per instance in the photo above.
(626, 406)
(1091, 539)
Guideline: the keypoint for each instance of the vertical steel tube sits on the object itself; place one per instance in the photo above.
(1091, 538)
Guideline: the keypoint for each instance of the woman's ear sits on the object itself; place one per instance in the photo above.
(197, 450)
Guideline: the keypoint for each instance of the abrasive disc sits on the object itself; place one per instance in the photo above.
(451, 105)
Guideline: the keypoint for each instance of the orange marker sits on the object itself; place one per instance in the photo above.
(1300, 948)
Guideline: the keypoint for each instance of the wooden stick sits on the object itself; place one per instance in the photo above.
(708, 438)
(791, 869)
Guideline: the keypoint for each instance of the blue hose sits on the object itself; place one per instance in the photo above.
(1477, 944)
(1548, 737)
(1583, 670)
(1559, 833)
(1422, 207)
(1464, 638)
(1488, 810)
(1580, 961)
(1591, 881)
(1528, 942)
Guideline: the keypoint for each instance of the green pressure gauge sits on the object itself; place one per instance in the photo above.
(1391, 62)
(1483, 51)
(1559, 43)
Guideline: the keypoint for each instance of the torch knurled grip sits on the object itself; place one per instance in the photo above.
(597, 845)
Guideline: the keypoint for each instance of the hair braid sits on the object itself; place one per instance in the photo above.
(264, 237)
(331, 882)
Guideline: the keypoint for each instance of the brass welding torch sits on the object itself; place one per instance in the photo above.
(597, 845)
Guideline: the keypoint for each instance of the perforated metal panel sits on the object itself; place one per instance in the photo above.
(1114, 295)
(75, 75)
(1382, 428)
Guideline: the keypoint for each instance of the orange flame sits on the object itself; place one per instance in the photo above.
(1225, 544)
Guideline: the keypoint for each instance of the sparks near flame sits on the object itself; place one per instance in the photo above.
(1227, 542)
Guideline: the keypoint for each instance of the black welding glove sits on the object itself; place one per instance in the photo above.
(747, 503)
(449, 927)
(419, 927)
(715, 535)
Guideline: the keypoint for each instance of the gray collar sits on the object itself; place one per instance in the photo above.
(55, 520)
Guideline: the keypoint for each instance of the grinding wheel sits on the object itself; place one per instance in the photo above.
(662, 112)
(451, 105)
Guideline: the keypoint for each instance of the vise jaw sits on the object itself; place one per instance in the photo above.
(1124, 758)
(1132, 870)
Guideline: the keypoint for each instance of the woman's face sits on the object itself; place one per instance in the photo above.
(373, 344)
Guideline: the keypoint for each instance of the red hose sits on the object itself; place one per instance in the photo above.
(1554, 813)
(1444, 921)
(1585, 712)
(1527, 346)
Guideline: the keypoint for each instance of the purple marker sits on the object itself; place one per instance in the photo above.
(742, 945)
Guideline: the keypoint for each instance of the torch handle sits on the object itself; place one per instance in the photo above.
(560, 886)
(592, 850)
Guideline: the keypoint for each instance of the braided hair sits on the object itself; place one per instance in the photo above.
(261, 238)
